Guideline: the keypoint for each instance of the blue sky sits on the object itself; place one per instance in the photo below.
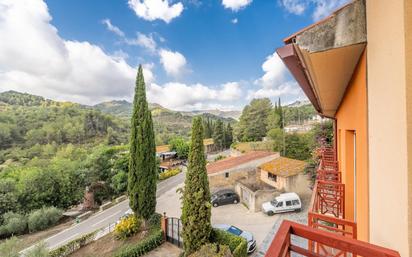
(196, 54)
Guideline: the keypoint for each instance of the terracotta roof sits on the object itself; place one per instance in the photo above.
(284, 167)
(162, 148)
(232, 162)
(208, 141)
(166, 148)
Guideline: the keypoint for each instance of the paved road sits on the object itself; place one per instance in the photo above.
(107, 217)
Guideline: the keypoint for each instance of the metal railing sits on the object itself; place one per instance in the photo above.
(292, 238)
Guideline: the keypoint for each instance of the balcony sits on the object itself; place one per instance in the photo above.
(292, 240)
(328, 232)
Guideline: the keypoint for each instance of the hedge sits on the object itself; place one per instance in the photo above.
(169, 173)
(212, 250)
(237, 244)
(73, 245)
(153, 240)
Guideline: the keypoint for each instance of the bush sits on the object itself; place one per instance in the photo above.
(9, 248)
(73, 245)
(153, 240)
(154, 221)
(236, 244)
(13, 224)
(219, 157)
(39, 250)
(43, 218)
(127, 227)
(169, 173)
(212, 250)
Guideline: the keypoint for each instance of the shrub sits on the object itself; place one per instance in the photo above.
(43, 218)
(213, 250)
(153, 240)
(127, 227)
(73, 245)
(13, 224)
(39, 250)
(236, 244)
(169, 173)
(154, 221)
(9, 248)
(219, 157)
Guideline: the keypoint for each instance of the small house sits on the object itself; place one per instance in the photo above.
(282, 173)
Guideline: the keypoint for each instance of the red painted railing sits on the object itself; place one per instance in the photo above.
(293, 238)
(328, 232)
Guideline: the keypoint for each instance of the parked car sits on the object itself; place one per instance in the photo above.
(225, 196)
(283, 203)
(251, 242)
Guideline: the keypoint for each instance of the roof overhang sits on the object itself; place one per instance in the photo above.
(323, 57)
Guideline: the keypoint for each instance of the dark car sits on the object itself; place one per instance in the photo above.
(223, 197)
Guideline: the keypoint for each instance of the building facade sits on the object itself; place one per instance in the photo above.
(355, 67)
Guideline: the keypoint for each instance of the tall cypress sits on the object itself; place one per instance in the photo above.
(280, 112)
(219, 135)
(228, 136)
(142, 164)
(196, 211)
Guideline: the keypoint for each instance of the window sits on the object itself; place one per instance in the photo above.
(280, 204)
(226, 174)
(288, 203)
(295, 202)
(272, 177)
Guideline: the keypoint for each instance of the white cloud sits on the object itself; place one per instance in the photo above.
(113, 28)
(174, 63)
(236, 5)
(156, 9)
(321, 8)
(234, 21)
(325, 7)
(275, 72)
(284, 90)
(52, 66)
(294, 6)
(145, 41)
(181, 96)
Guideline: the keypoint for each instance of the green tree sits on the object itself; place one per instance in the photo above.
(181, 146)
(280, 113)
(252, 124)
(219, 135)
(228, 135)
(273, 119)
(297, 146)
(196, 211)
(142, 165)
(277, 136)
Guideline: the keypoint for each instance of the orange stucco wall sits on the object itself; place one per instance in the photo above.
(351, 119)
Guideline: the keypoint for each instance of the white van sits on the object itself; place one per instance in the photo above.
(283, 203)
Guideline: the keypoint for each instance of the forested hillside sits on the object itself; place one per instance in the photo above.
(167, 123)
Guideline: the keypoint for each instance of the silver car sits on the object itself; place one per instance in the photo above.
(251, 242)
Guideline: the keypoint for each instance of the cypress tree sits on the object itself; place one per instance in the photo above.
(142, 176)
(196, 211)
(280, 112)
(228, 136)
(219, 135)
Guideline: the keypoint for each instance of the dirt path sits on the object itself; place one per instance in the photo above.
(164, 250)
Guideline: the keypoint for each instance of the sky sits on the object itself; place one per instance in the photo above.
(196, 55)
